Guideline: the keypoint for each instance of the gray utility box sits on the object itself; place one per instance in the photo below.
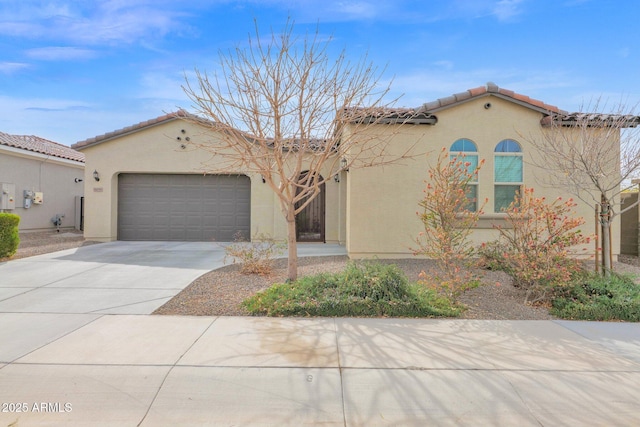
(7, 196)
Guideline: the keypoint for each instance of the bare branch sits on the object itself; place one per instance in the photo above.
(591, 155)
(287, 111)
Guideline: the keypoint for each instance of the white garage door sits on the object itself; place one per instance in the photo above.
(183, 207)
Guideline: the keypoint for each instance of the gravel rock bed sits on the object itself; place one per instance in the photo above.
(219, 292)
(44, 242)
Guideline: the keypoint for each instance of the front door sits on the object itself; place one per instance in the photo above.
(310, 222)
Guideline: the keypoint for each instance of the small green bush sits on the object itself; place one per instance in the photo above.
(361, 290)
(373, 281)
(9, 238)
(594, 297)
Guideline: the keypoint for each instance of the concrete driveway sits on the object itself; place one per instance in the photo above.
(113, 278)
(108, 278)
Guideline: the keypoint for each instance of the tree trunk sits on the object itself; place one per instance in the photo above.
(605, 220)
(292, 245)
(606, 247)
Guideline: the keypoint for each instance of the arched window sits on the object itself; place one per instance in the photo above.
(463, 145)
(507, 173)
(466, 151)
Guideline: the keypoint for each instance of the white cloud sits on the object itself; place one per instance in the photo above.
(358, 9)
(504, 10)
(96, 22)
(425, 85)
(444, 64)
(394, 10)
(68, 121)
(162, 86)
(60, 120)
(624, 52)
(56, 53)
(12, 67)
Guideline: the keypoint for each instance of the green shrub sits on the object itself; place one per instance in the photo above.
(374, 281)
(9, 238)
(594, 297)
(491, 257)
(361, 290)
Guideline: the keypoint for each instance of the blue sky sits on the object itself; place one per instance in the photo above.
(74, 69)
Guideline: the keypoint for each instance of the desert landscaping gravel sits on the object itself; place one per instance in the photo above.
(38, 243)
(220, 292)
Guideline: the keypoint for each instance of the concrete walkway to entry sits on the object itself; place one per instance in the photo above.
(87, 366)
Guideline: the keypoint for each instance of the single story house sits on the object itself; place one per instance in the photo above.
(41, 181)
(146, 182)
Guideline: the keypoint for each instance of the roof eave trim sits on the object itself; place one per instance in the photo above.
(79, 146)
(569, 120)
(432, 120)
(525, 104)
(497, 95)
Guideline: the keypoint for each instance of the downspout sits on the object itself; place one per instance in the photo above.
(340, 213)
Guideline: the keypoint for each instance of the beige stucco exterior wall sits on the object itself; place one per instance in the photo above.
(155, 149)
(53, 177)
(629, 224)
(383, 201)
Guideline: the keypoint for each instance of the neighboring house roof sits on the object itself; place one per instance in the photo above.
(40, 145)
(487, 90)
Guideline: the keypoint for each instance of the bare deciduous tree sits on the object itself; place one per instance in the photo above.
(282, 108)
(592, 155)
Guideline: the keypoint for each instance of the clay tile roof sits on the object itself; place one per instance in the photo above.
(619, 121)
(129, 129)
(490, 89)
(40, 145)
(389, 116)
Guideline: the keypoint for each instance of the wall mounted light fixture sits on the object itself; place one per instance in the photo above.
(264, 181)
(96, 175)
(343, 164)
(336, 178)
(78, 180)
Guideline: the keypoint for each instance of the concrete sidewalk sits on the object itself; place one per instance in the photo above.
(77, 348)
(130, 370)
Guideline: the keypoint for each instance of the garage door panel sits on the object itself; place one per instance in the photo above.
(193, 205)
(183, 207)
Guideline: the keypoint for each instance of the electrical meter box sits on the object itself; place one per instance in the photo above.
(28, 198)
(7, 196)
